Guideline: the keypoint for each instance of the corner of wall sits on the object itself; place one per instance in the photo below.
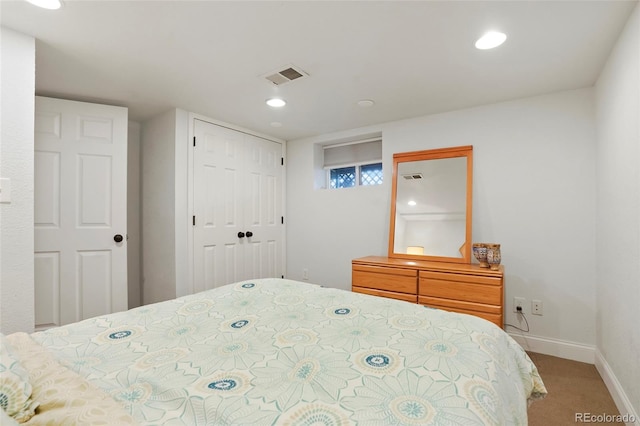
(158, 207)
(134, 204)
(630, 416)
(182, 207)
(618, 226)
(17, 310)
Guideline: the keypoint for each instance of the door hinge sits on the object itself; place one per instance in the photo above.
(194, 141)
(282, 220)
(282, 161)
(194, 221)
(282, 276)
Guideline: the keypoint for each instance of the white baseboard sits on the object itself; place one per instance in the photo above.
(560, 348)
(582, 353)
(616, 391)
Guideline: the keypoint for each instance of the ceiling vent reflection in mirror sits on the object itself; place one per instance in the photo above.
(285, 75)
(412, 176)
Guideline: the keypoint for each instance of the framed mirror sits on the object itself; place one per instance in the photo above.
(431, 205)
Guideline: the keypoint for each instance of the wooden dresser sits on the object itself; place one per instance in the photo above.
(456, 287)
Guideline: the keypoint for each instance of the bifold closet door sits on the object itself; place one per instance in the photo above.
(237, 195)
(262, 208)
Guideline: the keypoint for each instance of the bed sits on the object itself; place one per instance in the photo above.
(273, 351)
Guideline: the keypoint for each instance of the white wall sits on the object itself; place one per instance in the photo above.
(328, 228)
(134, 240)
(618, 216)
(158, 208)
(17, 58)
(17, 53)
(164, 152)
(534, 180)
(181, 208)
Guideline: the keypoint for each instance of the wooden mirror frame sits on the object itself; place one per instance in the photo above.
(434, 154)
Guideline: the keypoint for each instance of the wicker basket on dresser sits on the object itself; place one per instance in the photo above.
(456, 287)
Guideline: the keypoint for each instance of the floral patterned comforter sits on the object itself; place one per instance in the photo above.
(274, 351)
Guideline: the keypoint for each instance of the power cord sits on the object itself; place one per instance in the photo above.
(519, 311)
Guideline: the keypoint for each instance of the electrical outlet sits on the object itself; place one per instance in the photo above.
(305, 274)
(536, 307)
(518, 302)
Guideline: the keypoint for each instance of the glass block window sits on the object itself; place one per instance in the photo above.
(347, 177)
(344, 177)
(371, 174)
(350, 164)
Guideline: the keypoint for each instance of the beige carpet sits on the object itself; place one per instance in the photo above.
(574, 387)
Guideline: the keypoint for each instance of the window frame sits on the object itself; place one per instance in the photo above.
(358, 165)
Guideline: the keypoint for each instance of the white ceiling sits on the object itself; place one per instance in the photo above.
(412, 58)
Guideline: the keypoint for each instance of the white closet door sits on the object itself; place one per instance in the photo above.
(80, 206)
(217, 186)
(237, 193)
(263, 208)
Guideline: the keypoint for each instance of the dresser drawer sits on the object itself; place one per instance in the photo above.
(460, 305)
(396, 280)
(494, 318)
(388, 294)
(468, 278)
(454, 287)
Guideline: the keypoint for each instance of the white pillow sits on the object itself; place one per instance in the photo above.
(15, 389)
(5, 420)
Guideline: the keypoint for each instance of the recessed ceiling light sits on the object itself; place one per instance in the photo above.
(366, 103)
(412, 203)
(276, 102)
(490, 40)
(47, 4)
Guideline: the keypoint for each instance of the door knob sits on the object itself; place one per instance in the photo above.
(249, 234)
(240, 234)
(117, 238)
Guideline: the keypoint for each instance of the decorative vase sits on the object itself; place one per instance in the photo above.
(493, 256)
(480, 253)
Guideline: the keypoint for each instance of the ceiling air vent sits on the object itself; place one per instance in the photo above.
(285, 75)
(412, 176)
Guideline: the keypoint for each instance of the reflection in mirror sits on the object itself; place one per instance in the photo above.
(431, 206)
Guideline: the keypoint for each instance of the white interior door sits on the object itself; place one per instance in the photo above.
(80, 208)
(237, 193)
(217, 186)
(263, 208)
